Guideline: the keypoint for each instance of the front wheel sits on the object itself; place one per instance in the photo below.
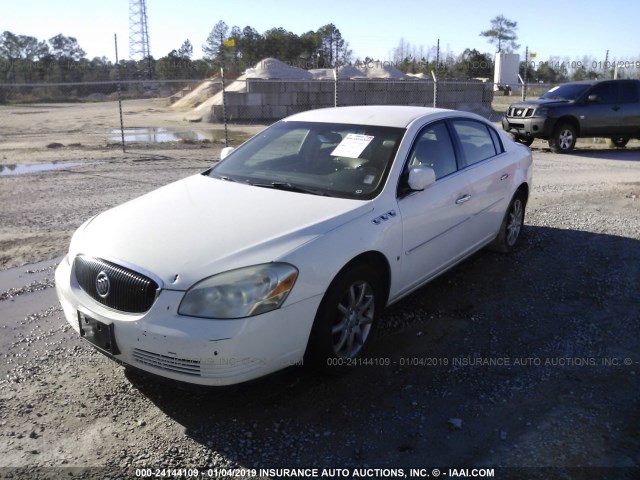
(512, 224)
(619, 142)
(345, 320)
(563, 139)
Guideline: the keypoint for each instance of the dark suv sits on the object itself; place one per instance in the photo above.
(605, 108)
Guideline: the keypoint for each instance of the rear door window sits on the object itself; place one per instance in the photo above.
(629, 92)
(476, 141)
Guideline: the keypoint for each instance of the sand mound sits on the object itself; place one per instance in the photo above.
(203, 110)
(381, 70)
(209, 93)
(274, 69)
(200, 94)
(369, 71)
(322, 73)
(349, 71)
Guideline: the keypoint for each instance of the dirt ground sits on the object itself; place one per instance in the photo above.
(527, 364)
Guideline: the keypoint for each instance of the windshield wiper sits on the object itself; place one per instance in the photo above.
(226, 179)
(288, 188)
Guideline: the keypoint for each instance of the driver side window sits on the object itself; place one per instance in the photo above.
(607, 93)
(433, 148)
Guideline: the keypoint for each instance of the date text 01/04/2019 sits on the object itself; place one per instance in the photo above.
(595, 64)
(385, 362)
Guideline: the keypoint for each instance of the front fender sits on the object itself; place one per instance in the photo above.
(320, 260)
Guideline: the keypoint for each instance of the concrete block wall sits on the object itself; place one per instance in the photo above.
(276, 99)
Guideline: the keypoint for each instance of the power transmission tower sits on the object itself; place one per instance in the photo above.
(139, 33)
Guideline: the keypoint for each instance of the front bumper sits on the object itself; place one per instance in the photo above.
(195, 350)
(533, 127)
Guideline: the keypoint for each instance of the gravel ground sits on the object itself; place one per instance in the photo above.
(526, 363)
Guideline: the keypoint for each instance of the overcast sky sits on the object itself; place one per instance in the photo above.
(566, 28)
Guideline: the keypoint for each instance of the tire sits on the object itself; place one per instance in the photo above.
(346, 320)
(619, 142)
(523, 140)
(563, 138)
(512, 224)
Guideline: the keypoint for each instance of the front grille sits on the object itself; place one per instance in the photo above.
(520, 112)
(164, 362)
(127, 291)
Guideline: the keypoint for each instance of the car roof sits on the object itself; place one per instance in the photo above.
(594, 82)
(376, 115)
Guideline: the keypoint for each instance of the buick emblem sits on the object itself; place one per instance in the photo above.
(103, 284)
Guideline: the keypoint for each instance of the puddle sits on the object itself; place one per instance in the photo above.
(162, 135)
(21, 169)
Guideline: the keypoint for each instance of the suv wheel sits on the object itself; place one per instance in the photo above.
(619, 142)
(563, 139)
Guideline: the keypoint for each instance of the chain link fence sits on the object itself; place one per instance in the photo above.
(195, 111)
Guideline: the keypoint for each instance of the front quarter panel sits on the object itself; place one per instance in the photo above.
(320, 260)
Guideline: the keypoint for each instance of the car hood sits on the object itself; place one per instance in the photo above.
(200, 226)
(540, 102)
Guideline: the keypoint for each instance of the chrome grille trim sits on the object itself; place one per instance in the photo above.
(164, 362)
(520, 112)
(130, 291)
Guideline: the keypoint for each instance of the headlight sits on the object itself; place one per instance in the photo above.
(541, 112)
(240, 293)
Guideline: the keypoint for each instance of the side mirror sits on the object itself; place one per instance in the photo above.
(593, 99)
(420, 177)
(225, 152)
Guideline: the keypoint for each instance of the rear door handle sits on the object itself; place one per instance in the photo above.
(616, 108)
(504, 176)
(463, 199)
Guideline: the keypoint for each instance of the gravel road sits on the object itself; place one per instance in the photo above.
(527, 363)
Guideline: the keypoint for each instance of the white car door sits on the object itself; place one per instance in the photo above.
(434, 220)
(489, 170)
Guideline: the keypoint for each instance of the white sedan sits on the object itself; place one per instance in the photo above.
(289, 249)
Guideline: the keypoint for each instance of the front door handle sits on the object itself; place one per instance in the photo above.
(616, 108)
(463, 199)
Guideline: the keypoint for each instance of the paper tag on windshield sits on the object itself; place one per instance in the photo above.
(352, 145)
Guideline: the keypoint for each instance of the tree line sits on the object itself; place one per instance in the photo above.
(27, 60)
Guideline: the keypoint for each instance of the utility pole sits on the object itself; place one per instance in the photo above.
(224, 93)
(526, 69)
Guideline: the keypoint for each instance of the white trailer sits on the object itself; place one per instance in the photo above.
(505, 76)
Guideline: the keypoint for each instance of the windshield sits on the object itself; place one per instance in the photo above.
(338, 160)
(566, 92)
